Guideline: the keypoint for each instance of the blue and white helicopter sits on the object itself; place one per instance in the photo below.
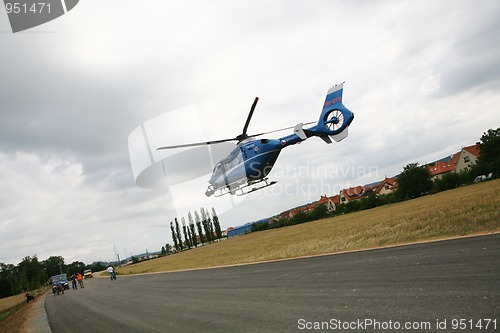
(251, 161)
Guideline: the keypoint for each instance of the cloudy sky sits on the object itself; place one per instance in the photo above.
(422, 77)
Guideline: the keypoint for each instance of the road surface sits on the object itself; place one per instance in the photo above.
(425, 287)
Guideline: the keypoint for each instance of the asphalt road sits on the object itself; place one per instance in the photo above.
(420, 285)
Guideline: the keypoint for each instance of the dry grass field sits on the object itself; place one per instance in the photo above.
(468, 210)
(10, 302)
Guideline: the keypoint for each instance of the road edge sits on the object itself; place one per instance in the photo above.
(39, 321)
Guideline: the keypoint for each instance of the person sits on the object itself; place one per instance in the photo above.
(73, 281)
(112, 274)
(79, 277)
(58, 289)
(29, 297)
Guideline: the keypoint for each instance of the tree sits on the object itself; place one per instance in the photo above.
(199, 227)
(319, 212)
(352, 206)
(174, 237)
(75, 267)
(54, 265)
(370, 201)
(489, 158)
(97, 266)
(9, 283)
(178, 233)
(193, 232)
(184, 230)
(206, 225)
(414, 182)
(31, 274)
(215, 218)
(210, 226)
(299, 217)
(449, 181)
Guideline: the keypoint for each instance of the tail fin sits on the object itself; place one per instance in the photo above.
(335, 118)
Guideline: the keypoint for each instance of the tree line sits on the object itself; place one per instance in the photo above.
(31, 274)
(414, 181)
(203, 228)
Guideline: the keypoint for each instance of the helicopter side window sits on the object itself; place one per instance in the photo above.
(238, 159)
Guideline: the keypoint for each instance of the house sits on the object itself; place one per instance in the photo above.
(459, 162)
(286, 215)
(330, 202)
(438, 169)
(352, 193)
(386, 186)
(466, 157)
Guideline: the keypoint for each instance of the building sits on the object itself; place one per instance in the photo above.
(352, 193)
(466, 157)
(459, 162)
(330, 202)
(244, 229)
(438, 169)
(386, 186)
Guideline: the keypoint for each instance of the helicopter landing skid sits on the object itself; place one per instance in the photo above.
(255, 188)
(240, 190)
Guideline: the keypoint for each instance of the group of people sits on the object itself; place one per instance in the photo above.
(59, 288)
(74, 278)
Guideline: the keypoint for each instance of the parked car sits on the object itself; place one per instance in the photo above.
(87, 274)
(482, 178)
(61, 279)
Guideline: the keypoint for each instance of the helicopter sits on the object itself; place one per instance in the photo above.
(246, 167)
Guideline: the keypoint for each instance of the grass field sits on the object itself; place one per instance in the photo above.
(10, 302)
(9, 305)
(468, 210)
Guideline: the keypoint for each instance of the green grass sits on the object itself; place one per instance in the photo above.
(468, 210)
(7, 313)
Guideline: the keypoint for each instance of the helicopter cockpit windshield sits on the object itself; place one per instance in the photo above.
(217, 168)
(228, 164)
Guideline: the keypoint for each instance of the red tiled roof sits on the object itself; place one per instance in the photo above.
(335, 199)
(391, 182)
(285, 215)
(352, 193)
(441, 167)
(324, 199)
(474, 149)
(455, 158)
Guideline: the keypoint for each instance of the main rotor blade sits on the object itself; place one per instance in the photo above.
(227, 140)
(244, 134)
(197, 144)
